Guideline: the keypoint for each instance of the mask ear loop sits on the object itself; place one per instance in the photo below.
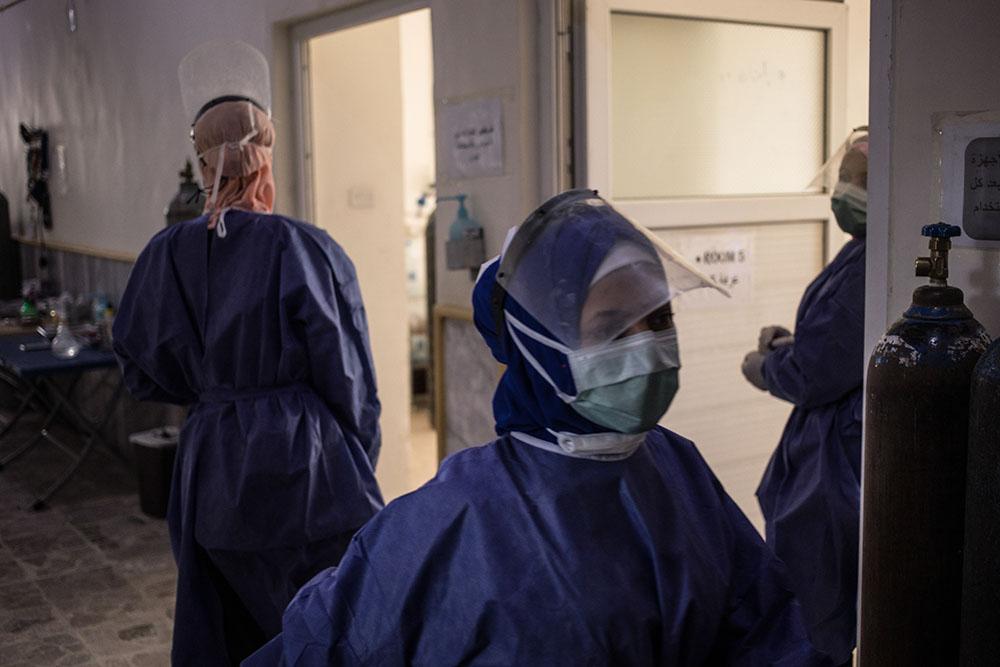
(513, 322)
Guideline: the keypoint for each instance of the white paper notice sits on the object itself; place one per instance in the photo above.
(970, 180)
(727, 259)
(474, 132)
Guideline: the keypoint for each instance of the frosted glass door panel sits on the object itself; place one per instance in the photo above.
(734, 425)
(708, 108)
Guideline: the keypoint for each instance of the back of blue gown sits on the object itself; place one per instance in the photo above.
(263, 333)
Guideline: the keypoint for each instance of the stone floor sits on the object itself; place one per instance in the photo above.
(89, 581)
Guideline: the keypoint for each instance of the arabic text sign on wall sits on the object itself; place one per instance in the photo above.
(981, 198)
(727, 259)
(474, 132)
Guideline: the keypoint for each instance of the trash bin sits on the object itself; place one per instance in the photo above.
(154, 463)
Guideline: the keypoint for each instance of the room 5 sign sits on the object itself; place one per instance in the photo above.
(727, 259)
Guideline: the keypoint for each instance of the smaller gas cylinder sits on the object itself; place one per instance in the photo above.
(981, 576)
(916, 431)
(189, 202)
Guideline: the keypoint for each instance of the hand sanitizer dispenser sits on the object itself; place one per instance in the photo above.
(465, 248)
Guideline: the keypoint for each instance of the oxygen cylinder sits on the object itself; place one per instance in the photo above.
(916, 431)
(189, 202)
(981, 577)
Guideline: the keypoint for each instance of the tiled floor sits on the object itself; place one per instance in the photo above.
(89, 581)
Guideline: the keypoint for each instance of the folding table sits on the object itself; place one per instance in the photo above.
(34, 376)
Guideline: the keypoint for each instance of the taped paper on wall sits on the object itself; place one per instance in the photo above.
(473, 131)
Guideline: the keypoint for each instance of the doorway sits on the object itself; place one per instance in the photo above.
(365, 90)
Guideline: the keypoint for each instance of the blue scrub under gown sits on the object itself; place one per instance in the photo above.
(264, 335)
(810, 493)
(517, 555)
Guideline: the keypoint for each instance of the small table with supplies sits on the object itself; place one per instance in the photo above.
(34, 374)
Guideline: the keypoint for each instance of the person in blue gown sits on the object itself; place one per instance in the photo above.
(810, 493)
(584, 534)
(255, 322)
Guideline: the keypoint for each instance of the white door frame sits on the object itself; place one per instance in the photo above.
(664, 213)
(301, 33)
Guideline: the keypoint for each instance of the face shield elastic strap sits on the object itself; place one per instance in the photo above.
(225, 98)
(526, 234)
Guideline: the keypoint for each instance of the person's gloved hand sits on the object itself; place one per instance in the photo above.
(753, 369)
(768, 335)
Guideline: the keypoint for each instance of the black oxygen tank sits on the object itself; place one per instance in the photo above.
(916, 432)
(981, 577)
(189, 202)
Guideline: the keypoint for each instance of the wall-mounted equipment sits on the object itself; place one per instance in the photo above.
(466, 247)
(37, 141)
(916, 431)
(10, 256)
(189, 202)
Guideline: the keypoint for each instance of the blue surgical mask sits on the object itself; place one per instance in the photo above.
(624, 385)
(850, 207)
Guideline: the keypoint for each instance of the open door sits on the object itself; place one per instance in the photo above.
(367, 117)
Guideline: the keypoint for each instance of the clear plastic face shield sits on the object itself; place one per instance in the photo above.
(845, 177)
(588, 274)
(831, 173)
(224, 71)
(221, 70)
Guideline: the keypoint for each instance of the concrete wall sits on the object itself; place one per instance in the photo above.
(109, 94)
(927, 57)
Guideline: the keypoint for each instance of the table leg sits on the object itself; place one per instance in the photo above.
(21, 409)
(36, 388)
(91, 429)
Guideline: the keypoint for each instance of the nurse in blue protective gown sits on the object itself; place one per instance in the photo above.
(255, 321)
(811, 490)
(584, 534)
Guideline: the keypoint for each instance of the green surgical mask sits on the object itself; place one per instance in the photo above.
(631, 406)
(850, 207)
(625, 385)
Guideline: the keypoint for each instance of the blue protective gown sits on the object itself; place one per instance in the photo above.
(810, 493)
(264, 335)
(516, 555)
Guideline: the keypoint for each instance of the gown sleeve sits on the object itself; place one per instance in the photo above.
(152, 330)
(826, 361)
(325, 623)
(764, 624)
(323, 299)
